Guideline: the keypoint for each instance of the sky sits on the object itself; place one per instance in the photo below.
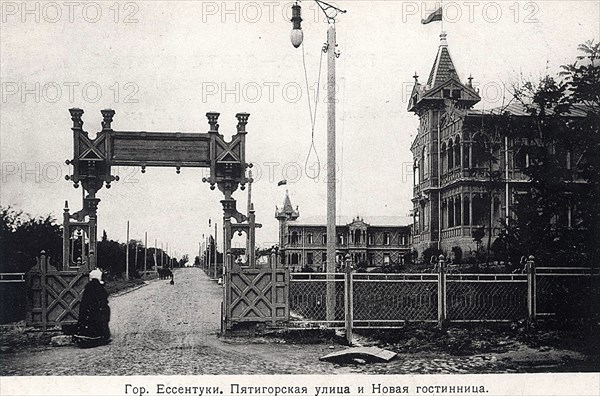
(161, 65)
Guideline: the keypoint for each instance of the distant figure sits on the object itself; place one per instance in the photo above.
(172, 280)
(94, 313)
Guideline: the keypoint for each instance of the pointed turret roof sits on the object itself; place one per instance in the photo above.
(287, 204)
(443, 83)
(443, 67)
(287, 212)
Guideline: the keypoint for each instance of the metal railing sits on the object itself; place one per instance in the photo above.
(12, 277)
(390, 300)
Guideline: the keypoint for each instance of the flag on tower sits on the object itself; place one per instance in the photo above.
(434, 16)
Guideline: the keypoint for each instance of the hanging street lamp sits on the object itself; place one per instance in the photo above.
(331, 12)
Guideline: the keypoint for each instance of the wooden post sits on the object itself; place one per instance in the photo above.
(441, 291)
(349, 300)
(66, 238)
(155, 263)
(44, 287)
(127, 255)
(531, 288)
(224, 253)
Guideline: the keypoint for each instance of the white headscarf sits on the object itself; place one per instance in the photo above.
(96, 274)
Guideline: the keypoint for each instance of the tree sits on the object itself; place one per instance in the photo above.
(22, 238)
(558, 218)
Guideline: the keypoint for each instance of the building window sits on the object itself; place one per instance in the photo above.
(386, 259)
(456, 94)
(324, 239)
(403, 240)
(309, 238)
(294, 238)
(324, 257)
(295, 259)
(309, 258)
(340, 239)
(371, 241)
(445, 93)
(357, 237)
(386, 238)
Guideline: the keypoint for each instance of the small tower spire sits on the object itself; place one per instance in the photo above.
(470, 83)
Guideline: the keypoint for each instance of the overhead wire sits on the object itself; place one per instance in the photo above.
(313, 116)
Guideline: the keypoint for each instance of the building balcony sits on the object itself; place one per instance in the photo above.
(466, 231)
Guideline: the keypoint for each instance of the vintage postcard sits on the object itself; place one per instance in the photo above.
(300, 198)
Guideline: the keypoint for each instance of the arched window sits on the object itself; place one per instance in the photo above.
(309, 238)
(457, 210)
(451, 212)
(295, 259)
(416, 173)
(466, 216)
(357, 237)
(444, 159)
(425, 160)
(450, 155)
(386, 238)
(457, 157)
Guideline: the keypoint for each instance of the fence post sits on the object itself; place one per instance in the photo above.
(531, 288)
(349, 297)
(44, 287)
(441, 291)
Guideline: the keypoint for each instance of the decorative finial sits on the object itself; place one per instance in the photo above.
(107, 116)
(416, 77)
(443, 36)
(76, 114)
(470, 84)
(213, 118)
(242, 121)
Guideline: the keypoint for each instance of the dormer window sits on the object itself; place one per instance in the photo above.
(456, 94)
(445, 93)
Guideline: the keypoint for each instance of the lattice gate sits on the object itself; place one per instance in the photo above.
(256, 295)
(53, 296)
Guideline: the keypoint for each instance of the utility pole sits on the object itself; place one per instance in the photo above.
(135, 267)
(145, 251)
(297, 36)
(331, 174)
(127, 255)
(216, 250)
(155, 263)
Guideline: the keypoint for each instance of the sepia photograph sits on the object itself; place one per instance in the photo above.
(300, 198)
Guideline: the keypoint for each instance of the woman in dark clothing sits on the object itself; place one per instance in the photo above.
(94, 313)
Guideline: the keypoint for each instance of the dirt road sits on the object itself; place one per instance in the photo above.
(172, 330)
(163, 329)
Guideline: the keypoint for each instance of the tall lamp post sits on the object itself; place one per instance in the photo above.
(297, 37)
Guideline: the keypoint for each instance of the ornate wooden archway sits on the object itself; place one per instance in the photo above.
(92, 163)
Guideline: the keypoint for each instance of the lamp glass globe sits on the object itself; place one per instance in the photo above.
(297, 36)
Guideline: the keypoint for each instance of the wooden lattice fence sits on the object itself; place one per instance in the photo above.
(53, 296)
